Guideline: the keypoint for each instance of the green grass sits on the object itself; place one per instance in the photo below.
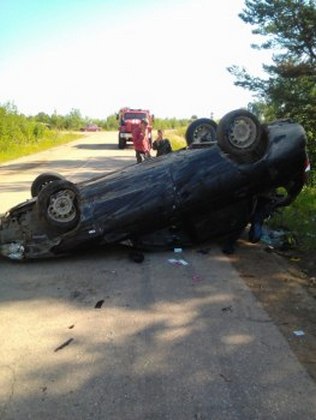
(176, 138)
(300, 219)
(53, 139)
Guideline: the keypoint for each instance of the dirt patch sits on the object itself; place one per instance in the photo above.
(285, 285)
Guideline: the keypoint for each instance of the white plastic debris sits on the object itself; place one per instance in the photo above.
(177, 250)
(177, 261)
(298, 333)
(13, 250)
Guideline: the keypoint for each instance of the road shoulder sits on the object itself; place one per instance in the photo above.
(286, 292)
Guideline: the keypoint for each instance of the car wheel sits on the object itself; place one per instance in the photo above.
(201, 132)
(240, 135)
(122, 143)
(42, 180)
(58, 206)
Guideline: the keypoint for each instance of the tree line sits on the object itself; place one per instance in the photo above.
(74, 121)
(17, 128)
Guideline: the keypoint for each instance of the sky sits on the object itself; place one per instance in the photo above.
(168, 56)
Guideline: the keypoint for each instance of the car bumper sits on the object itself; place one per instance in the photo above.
(126, 136)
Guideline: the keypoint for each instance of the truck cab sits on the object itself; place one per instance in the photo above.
(129, 119)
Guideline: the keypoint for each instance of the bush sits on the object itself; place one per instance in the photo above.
(20, 135)
(300, 218)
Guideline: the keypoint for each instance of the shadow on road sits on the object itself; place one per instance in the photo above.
(62, 165)
(162, 344)
(105, 146)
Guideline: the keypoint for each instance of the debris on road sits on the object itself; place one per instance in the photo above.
(299, 333)
(66, 343)
(278, 238)
(227, 308)
(99, 304)
(226, 379)
(177, 261)
(178, 250)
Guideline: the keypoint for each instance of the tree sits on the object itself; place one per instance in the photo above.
(288, 27)
(42, 117)
(73, 120)
(56, 121)
(111, 123)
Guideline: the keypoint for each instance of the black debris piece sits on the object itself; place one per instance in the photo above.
(99, 304)
(66, 343)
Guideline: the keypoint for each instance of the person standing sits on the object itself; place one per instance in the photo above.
(141, 143)
(162, 145)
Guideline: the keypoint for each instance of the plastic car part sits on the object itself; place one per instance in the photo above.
(42, 180)
(201, 132)
(241, 136)
(57, 205)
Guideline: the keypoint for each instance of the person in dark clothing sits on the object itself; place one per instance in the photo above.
(162, 145)
(263, 209)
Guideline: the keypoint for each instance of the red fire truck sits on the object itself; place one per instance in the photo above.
(128, 119)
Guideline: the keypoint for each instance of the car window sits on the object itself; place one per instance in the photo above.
(134, 116)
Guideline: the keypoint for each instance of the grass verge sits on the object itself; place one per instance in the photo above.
(54, 139)
(176, 138)
(300, 219)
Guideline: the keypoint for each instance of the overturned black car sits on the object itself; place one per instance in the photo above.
(227, 177)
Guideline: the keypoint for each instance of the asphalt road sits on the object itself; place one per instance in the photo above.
(98, 336)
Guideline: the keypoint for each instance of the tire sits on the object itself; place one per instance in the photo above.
(58, 205)
(122, 143)
(241, 136)
(201, 132)
(42, 180)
